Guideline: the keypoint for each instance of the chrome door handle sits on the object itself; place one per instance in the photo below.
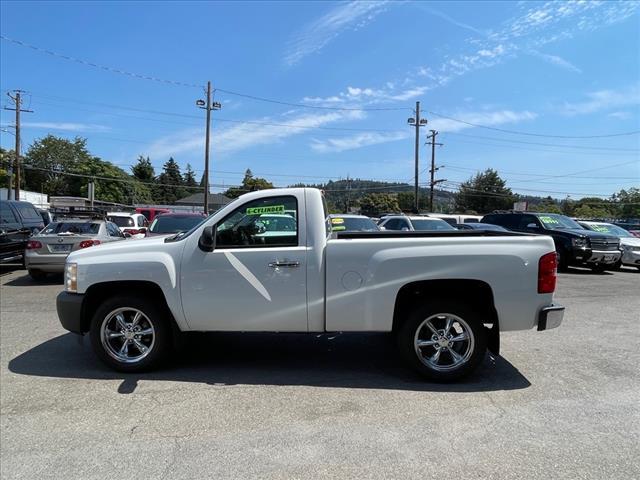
(284, 264)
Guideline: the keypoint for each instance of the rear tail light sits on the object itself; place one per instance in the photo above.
(89, 243)
(547, 267)
(33, 244)
(132, 231)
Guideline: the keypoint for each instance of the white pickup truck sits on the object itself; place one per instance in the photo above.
(269, 262)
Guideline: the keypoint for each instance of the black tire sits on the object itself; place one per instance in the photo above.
(37, 275)
(599, 268)
(406, 336)
(562, 261)
(156, 316)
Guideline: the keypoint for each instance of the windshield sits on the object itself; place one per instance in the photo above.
(430, 224)
(71, 227)
(174, 224)
(121, 221)
(608, 228)
(558, 222)
(353, 224)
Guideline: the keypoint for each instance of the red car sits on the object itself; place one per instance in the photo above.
(171, 223)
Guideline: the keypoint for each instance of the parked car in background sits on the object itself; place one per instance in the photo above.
(18, 221)
(456, 218)
(47, 216)
(632, 228)
(414, 223)
(480, 226)
(47, 251)
(575, 245)
(352, 223)
(135, 224)
(171, 223)
(629, 244)
(151, 213)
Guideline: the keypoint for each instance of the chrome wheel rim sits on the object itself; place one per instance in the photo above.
(444, 342)
(127, 335)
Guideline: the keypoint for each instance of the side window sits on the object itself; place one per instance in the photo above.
(6, 214)
(266, 222)
(27, 212)
(146, 213)
(140, 221)
(393, 224)
(113, 230)
(526, 220)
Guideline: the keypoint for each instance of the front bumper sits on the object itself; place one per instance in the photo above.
(631, 257)
(69, 307)
(604, 257)
(550, 317)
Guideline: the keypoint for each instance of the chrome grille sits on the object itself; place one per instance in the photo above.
(605, 244)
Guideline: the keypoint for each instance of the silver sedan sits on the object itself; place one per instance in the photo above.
(47, 251)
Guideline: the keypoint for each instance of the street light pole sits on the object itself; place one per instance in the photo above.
(207, 105)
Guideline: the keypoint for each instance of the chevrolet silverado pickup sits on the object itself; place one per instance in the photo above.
(444, 295)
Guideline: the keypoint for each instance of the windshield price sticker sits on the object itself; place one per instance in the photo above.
(337, 221)
(339, 228)
(263, 210)
(549, 220)
(600, 228)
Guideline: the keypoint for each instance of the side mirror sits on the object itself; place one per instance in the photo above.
(127, 235)
(207, 241)
(533, 226)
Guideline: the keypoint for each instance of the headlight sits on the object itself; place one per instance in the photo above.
(71, 277)
(579, 242)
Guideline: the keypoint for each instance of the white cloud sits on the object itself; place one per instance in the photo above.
(242, 136)
(314, 36)
(359, 140)
(620, 115)
(603, 100)
(556, 60)
(67, 126)
(498, 117)
(495, 118)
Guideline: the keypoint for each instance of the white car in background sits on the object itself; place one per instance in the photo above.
(135, 224)
(629, 244)
(415, 223)
(454, 218)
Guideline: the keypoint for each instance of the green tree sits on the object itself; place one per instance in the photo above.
(52, 159)
(249, 184)
(6, 164)
(376, 203)
(189, 180)
(406, 201)
(628, 201)
(143, 170)
(170, 183)
(484, 193)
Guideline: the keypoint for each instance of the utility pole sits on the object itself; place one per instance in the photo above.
(417, 122)
(17, 101)
(433, 169)
(208, 106)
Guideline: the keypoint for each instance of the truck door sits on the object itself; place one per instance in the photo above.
(255, 279)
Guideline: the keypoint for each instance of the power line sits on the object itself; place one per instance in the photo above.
(515, 132)
(304, 105)
(97, 65)
(469, 169)
(544, 144)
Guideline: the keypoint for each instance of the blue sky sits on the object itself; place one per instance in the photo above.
(567, 69)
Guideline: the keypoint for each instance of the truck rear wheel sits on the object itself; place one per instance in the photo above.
(442, 340)
(130, 334)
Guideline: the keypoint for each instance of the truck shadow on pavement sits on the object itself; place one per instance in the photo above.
(225, 359)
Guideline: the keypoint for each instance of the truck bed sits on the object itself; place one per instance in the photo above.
(446, 233)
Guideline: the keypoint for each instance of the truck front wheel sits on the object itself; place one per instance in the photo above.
(130, 334)
(443, 341)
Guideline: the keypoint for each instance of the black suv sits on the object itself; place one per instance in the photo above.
(18, 221)
(574, 244)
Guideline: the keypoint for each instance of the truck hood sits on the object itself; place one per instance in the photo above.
(588, 233)
(122, 247)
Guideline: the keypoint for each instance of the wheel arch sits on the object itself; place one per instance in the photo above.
(99, 292)
(474, 293)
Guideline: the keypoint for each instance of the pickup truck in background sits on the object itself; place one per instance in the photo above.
(444, 295)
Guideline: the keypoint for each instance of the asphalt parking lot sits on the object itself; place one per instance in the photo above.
(556, 405)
